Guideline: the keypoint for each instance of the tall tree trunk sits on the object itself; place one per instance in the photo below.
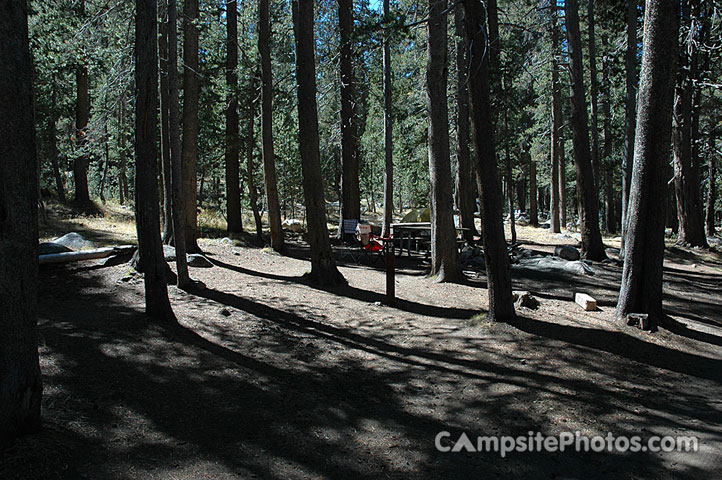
(444, 258)
(157, 304)
(191, 93)
(606, 161)
(82, 114)
(671, 204)
(556, 126)
(123, 189)
(106, 152)
(562, 181)
(592, 246)
(269, 162)
(686, 172)
(494, 44)
(233, 188)
(53, 138)
(176, 160)
(686, 168)
(630, 114)
(521, 188)
(250, 144)
(350, 193)
(20, 381)
(510, 194)
(323, 263)
(593, 90)
(465, 184)
(164, 130)
(533, 207)
(388, 130)
(501, 305)
(641, 289)
(711, 189)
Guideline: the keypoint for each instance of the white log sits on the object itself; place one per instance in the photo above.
(66, 257)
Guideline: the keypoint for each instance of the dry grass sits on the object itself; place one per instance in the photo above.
(114, 224)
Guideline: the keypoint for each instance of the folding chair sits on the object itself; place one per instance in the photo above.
(356, 238)
(348, 239)
(348, 235)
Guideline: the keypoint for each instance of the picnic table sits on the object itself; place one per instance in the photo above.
(414, 233)
(411, 232)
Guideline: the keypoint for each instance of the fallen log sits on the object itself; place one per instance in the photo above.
(66, 257)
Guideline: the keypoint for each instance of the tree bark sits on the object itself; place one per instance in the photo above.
(510, 195)
(388, 130)
(593, 91)
(106, 159)
(350, 193)
(233, 186)
(592, 246)
(444, 259)
(191, 93)
(521, 187)
(494, 44)
(562, 182)
(686, 169)
(82, 114)
(671, 203)
(20, 380)
(501, 306)
(147, 211)
(124, 191)
(176, 161)
(323, 263)
(556, 126)
(533, 207)
(269, 163)
(641, 289)
(630, 115)
(167, 235)
(465, 184)
(711, 190)
(250, 144)
(610, 219)
(54, 152)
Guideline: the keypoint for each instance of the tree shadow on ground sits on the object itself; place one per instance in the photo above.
(348, 291)
(284, 392)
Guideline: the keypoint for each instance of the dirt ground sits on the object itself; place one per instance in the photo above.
(266, 376)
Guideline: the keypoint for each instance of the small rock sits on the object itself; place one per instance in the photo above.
(236, 252)
(639, 320)
(198, 261)
(378, 304)
(225, 312)
(525, 299)
(612, 252)
(227, 241)
(567, 253)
